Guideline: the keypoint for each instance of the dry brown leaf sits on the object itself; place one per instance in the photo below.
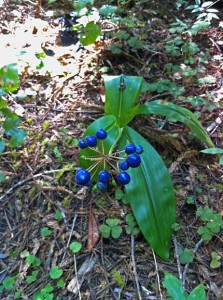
(93, 232)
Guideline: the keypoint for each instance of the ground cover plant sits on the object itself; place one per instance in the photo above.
(111, 184)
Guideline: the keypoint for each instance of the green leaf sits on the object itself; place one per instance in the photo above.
(58, 215)
(10, 78)
(107, 10)
(212, 151)
(47, 289)
(181, 114)
(32, 277)
(2, 177)
(90, 34)
(112, 222)
(105, 230)
(75, 247)
(2, 146)
(8, 283)
(18, 138)
(213, 226)
(46, 231)
(174, 287)
(186, 256)
(119, 194)
(33, 260)
(79, 4)
(60, 283)
(55, 272)
(3, 104)
(122, 95)
(198, 293)
(116, 232)
(151, 195)
(17, 135)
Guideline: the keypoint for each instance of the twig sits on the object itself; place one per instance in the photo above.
(178, 259)
(157, 274)
(71, 232)
(187, 265)
(76, 274)
(134, 267)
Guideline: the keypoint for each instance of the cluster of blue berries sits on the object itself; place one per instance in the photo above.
(131, 159)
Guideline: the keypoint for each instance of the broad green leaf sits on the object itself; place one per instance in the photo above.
(90, 34)
(122, 95)
(181, 114)
(174, 287)
(9, 78)
(151, 195)
(198, 293)
(212, 151)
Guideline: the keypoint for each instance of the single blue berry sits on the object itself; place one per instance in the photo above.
(124, 165)
(133, 160)
(130, 149)
(101, 134)
(139, 149)
(82, 177)
(123, 178)
(91, 140)
(82, 144)
(104, 176)
(102, 186)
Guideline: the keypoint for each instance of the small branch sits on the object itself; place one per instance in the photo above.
(187, 265)
(134, 267)
(158, 277)
(178, 259)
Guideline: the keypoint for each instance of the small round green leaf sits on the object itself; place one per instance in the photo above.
(55, 272)
(75, 247)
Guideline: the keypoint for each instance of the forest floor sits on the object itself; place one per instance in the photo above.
(58, 96)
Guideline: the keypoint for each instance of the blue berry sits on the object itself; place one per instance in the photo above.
(101, 134)
(124, 165)
(82, 177)
(104, 176)
(123, 178)
(139, 149)
(133, 160)
(130, 149)
(91, 141)
(82, 144)
(102, 186)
